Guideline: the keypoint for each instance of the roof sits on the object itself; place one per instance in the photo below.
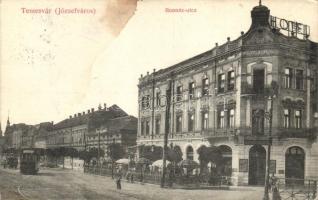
(92, 119)
(123, 123)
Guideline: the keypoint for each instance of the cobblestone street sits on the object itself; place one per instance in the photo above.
(66, 184)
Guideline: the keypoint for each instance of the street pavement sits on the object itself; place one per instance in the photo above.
(67, 184)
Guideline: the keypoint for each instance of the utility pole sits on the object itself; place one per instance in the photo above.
(167, 128)
(270, 117)
(273, 92)
(98, 155)
(153, 104)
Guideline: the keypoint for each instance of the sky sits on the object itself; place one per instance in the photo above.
(53, 66)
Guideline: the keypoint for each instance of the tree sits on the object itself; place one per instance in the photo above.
(203, 152)
(84, 155)
(71, 152)
(115, 151)
(209, 154)
(174, 154)
(93, 153)
(151, 153)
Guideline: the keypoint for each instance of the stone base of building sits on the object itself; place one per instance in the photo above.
(291, 158)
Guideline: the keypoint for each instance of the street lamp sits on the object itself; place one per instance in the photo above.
(98, 151)
(165, 140)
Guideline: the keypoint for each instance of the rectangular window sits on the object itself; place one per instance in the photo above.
(221, 119)
(142, 126)
(286, 118)
(230, 80)
(298, 119)
(158, 99)
(221, 82)
(258, 80)
(179, 93)
(205, 87)
(179, 123)
(205, 120)
(258, 122)
(191, 90)
(147, 127)
(231, 118)
(288, 77)
(158, 125)
(191, 122)
(299, 79)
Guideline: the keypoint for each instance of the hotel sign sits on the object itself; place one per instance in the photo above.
(292, 28)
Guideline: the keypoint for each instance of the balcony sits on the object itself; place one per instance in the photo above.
(248, 89)
(219, 133)
(309, 133)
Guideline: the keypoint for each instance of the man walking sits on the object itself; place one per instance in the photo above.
(118, 181)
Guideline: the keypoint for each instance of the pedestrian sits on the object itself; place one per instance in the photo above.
(118, 182)
(274, 187)
(132, 178)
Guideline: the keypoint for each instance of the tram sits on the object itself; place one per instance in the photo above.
(29, 161)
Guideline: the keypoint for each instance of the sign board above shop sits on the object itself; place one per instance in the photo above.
(257, 141)
(291, 27)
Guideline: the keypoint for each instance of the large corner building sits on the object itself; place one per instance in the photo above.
(220, 98)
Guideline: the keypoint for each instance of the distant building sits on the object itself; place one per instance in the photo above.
(120, 130)
(220, 98)
(79, 131)
(1, 141)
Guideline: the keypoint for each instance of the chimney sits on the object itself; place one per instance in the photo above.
(84, 113)
(70, 116)
(216, 44)
(74, 115)
(105, 106)
(228, 39)
(78, 114)
(92, 110)
(242, 32)
(88, 111)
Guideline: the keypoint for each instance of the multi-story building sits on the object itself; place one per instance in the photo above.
(94, 128)
(1, 142)
(121, 130)
(22, 136)
(85, 130)
(19, 132)
(221, 98)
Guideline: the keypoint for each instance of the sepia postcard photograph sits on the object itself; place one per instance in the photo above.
(159, 100)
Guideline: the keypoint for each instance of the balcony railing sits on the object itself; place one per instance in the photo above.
(309, 133)
(219, 132)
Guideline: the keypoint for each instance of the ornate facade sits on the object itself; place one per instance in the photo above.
(219, 98)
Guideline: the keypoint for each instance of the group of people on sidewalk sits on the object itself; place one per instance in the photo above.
(273, 184)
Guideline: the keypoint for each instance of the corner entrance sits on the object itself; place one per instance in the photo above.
(257, 165)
